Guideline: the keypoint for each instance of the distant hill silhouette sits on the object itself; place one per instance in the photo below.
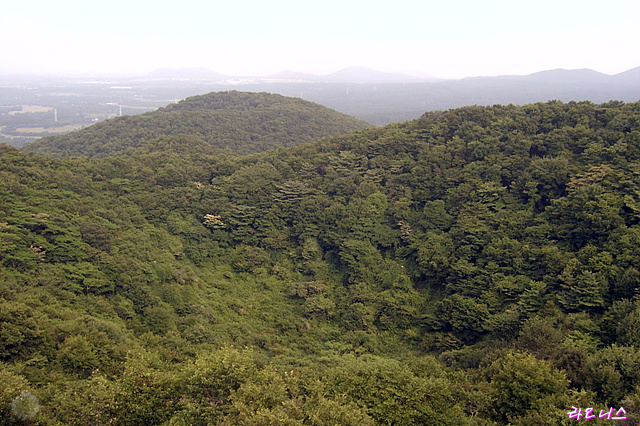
(581, 76)
(631, 76)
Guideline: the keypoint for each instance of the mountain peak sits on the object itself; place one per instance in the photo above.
(629, 76)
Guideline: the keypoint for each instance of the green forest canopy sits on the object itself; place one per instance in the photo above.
(477, 266)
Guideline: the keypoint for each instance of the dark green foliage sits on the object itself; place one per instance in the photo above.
(19, 332)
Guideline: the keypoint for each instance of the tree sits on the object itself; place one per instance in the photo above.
(520, 383)
(392, 393)
(581, 289)
(13, 385)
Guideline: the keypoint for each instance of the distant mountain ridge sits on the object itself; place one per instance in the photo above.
(355, 74)
(631, 76)
(583, 75)
(388, 103)
(359, 74)
(562, 74)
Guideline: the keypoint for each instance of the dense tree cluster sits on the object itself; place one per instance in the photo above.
(477, 266)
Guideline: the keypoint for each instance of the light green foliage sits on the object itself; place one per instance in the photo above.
(19, 331)
(273, 398)
(13, 385)
(521, 383)
(78, 355)
(392, 393)
(147, 393)
(85, 402)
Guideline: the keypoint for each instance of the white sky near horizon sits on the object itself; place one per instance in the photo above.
(448, 39)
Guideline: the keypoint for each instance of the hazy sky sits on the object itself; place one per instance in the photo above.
(449, 38)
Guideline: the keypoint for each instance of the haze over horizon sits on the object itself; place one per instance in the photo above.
(446, 40)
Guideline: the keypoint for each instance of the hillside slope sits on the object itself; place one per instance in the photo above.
(478, 266)
(243, 123)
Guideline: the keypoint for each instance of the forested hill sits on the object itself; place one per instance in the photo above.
(479, 266)
(241, 122)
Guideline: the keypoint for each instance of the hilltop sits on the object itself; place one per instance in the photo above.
(243, 123)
